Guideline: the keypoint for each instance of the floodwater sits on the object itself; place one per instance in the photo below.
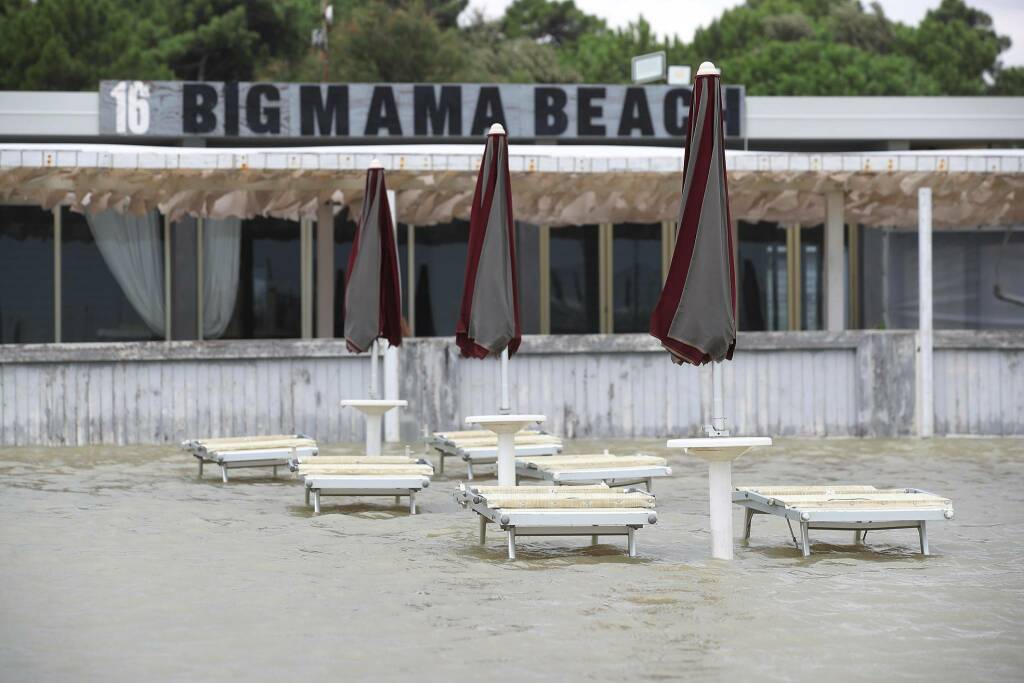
(117, 564)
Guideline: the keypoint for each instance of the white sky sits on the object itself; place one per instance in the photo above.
(682, 17)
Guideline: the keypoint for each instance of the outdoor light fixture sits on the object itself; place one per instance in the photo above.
(649, 68)
(679, 75)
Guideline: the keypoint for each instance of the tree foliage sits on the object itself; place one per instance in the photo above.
(777, 47)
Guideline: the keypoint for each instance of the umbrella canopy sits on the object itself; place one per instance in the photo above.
(373, 290)
(695, 317)
(489, 315)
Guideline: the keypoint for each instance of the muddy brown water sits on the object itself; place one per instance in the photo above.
(117, 564)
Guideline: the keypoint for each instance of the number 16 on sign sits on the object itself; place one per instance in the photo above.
(132, 112)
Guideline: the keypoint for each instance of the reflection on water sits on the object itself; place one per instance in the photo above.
(116, 563)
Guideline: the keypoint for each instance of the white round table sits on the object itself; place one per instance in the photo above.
(719, 452)
(373, 409)
(505, 426)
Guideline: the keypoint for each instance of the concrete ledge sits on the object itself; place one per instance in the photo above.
(532, 345)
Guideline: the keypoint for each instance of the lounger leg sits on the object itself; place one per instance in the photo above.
(469, 471)
(631, 541)
(748, 515)
(441, 468)
(316, 501)
(805, 539)
(275, 471)
(224, 474)
(858, 536)
(511, 543)
(412, 502)
(483, 529)
(398, 499)
(306, 491)
(593, 540)
(200, 468)
(922, 531)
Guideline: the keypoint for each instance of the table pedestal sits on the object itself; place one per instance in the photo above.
(719, 452)
(373, 410)
(505, 426)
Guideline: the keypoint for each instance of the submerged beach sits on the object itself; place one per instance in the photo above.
(118, 564)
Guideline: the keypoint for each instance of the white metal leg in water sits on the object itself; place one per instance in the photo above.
(483, 529)
(858, 537)
(200, 468)
(275, 471)
(412, 502)
(511, 543)
(316, 502)
(224, 474)
(922, 531)
(805, 540)
(748, 516)
(631, 541)
(593, 540)
(307, 495)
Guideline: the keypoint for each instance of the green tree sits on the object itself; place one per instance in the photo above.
(72, 45)
(550, 21)
(229, 39)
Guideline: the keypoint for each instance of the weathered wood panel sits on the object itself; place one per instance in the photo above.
(979, 391)
(801, 384)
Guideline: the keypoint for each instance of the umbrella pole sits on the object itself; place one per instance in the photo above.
(717, 402)
(373, 369)
(504, 408)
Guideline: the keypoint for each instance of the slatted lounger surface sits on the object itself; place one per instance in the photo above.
(363, 475)
(613, 470)
(559, 511)
(480, 447)
(859, 508)
(236, 452)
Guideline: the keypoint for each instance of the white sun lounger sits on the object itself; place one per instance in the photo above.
(559, 511)
(858, 508)
(480, 447)
(363, 475)
(613, 470)
(237, 452)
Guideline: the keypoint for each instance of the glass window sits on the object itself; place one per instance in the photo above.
(344, 235)
(636, 285)
(440, 272)
(763, 281)
(93, 305)
(575, 301)
(812, 277)
(269, 282)
(528, 267)
(26, 275)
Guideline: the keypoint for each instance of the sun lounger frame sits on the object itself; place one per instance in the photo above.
(860, 520)
(593, 522)
(397, 485)
(484, 455)
(249, 457)
(612, 476)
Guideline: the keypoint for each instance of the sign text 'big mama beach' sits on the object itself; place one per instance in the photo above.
(402, 110)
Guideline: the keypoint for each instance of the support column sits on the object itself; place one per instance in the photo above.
(720, 496)
(391, 430)
(925, 393)
(835, 277)
(306, 273)
(325, 272)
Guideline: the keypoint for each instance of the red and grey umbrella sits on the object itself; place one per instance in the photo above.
(489, 315)
(695, 317)
(373, 290)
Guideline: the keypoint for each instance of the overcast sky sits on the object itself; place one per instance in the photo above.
(682, 17)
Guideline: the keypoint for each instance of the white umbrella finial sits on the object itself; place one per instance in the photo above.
(707, 69)
(496, 129)
(375, 164)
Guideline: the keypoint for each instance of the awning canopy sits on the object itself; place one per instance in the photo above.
(551, 185)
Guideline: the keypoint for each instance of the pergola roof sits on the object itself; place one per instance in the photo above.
(553, 185)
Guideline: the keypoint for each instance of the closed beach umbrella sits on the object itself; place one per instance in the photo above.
(695, 317)
(373, 290)
(489, 316)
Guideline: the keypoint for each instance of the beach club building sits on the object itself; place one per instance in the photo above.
(173, 256)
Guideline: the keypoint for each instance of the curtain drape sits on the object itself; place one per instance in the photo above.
(133, 251)
(221, 250)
